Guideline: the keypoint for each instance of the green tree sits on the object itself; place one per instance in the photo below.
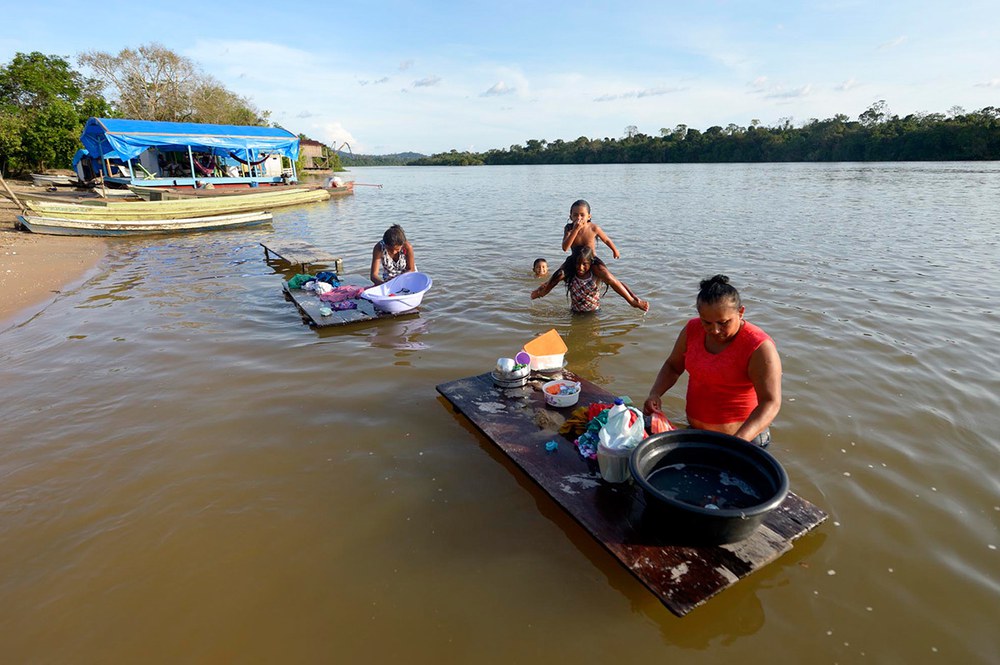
(43, 106)
(152, 82)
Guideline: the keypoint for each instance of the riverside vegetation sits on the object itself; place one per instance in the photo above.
(44, 105)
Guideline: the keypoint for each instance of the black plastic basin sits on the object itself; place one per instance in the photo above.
(705, 487)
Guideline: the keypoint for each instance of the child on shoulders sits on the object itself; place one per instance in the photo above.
(582, 232)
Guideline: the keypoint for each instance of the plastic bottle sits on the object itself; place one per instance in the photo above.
(614, 447)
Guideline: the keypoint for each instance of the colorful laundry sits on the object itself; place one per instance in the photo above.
(328, 277)
(342, 293)
(300, 279)
(341, 305)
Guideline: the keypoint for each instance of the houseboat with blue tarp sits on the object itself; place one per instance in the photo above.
(177, 154)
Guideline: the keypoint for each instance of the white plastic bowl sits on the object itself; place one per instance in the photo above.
(558, 400)
(387, 296)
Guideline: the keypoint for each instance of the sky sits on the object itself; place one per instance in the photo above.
(429, 77)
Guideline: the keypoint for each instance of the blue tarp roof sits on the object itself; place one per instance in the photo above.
(130, 138)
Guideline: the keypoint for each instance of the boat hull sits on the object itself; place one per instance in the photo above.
(77, 227)
(104, 210)
(220, 191)
(45, 180)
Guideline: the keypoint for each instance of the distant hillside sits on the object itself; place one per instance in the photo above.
(397, 159)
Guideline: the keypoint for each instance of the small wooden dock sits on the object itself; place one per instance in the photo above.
(309, 306)
(683, 577)
(301, 254)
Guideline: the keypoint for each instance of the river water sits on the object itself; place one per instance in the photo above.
(190, 474)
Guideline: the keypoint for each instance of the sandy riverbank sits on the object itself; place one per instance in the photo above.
(34, 269)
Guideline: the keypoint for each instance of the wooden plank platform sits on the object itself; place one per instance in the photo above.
(683, 577)
(309, 305)
(302, 254)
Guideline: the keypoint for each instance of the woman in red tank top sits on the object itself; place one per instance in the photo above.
(734, 372)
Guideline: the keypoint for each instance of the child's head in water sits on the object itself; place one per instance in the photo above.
(540, 267)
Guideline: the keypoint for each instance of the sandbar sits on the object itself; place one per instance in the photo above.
(35, 269)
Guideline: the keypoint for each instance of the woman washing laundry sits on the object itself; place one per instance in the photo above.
(392, 256)
(734, 372)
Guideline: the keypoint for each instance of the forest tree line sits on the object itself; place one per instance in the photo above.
(875, 136)
(44, 102)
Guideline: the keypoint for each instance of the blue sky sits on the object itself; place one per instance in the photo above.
(435, 76)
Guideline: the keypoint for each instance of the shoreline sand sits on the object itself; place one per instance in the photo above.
(35, 269)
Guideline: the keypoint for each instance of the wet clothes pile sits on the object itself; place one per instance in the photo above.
(341, 293)
(585, 423)
(309, 282)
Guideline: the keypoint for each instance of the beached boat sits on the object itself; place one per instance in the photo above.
(175, 193)
(47, 180)
(77, 227)
(104, 210)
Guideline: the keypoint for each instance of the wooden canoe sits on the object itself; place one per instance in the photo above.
(105, 210)
(77, 227)
(179, 193)
(46, 180)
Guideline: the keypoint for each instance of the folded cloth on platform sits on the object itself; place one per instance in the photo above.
(328, 277)
(342, 293)
(344, 304)
(577, 422)
(299, 280)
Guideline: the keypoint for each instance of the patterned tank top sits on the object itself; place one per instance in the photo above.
(583, 294)
(392, 268)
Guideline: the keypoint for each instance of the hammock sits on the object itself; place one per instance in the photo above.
(205, 170)
(249, 163)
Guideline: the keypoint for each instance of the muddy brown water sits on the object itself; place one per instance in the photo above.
(190, 474)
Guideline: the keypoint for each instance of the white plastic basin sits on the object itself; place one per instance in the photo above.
(401, 293)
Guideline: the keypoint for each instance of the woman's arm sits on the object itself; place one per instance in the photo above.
(411, 263)
(603, 274)
(607, 241)
(544, 289)
(671, 370)
(375, 275)
(765, 373)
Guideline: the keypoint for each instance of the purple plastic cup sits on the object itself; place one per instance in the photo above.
(522, 358)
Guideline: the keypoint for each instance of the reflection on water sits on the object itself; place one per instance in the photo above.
(184, 458)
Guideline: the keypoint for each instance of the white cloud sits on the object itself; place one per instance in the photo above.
(781, 93)
(638, 94)
(499, 88)
(892, 43)
(405, 64)
(334, 134)
(992, 83)
(849, 84)
(427, 82)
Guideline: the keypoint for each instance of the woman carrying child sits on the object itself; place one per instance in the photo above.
(583, 274)
(582, 232)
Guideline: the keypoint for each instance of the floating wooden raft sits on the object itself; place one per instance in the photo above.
(301, 254)
(309, 306)
(683, 577)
